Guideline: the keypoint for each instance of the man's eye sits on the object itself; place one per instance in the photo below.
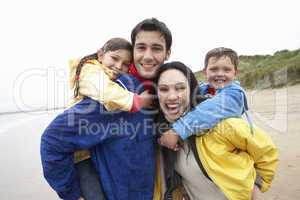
(157, 49)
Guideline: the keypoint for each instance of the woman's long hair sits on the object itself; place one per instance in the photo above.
(173, 180)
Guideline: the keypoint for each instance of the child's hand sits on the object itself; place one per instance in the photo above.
(146, 99)
(255, 193)
(169, 139)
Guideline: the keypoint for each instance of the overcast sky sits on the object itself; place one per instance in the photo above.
(38, 37)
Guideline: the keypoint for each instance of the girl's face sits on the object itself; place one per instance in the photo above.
(173, 94)
(116, 61)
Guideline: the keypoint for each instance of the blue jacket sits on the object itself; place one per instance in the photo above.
(229, 101)
(121, 145)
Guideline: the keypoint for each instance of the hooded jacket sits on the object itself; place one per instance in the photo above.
(121, 144)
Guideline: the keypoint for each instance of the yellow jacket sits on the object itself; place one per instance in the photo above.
(95, 82)
(231, 156)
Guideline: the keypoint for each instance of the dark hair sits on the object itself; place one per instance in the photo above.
(220, 52)
(163, 125)
(113, 44)
(195, 97)
(152, 24)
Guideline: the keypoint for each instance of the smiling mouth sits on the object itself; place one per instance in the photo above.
(219, 81)
(173, 108)
(146, 66)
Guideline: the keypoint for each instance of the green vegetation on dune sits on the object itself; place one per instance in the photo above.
(268, 71)
(263, 71)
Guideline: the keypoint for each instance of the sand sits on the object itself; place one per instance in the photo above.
(278, 112)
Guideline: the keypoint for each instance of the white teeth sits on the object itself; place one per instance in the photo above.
(220, 81)
(173, 105)
(173, 108)
(148, 65)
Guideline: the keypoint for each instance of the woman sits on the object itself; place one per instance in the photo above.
(222, 164)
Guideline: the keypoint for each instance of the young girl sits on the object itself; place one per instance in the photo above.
(93, 76)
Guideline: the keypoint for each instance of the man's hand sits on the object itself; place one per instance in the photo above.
(169, 139)
(146, 99)
(81, 198)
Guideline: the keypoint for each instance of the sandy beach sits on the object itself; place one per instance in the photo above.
(275, 110)
(21, 172)
(278, 112)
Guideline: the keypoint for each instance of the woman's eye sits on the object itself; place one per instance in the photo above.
(180, 88)
(163, 89)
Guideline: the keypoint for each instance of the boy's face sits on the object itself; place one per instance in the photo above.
(149, 52)
(220, 72)
(116, 61)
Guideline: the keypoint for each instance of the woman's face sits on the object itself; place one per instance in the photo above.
(173, 94)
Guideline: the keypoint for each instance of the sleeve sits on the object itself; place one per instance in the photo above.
(228, 103)
(80, 127)
(260, 147)
(94, 83)
(136, 105)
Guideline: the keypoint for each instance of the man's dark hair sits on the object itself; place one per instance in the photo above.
(152, 24)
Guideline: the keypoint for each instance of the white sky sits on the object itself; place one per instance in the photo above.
(38, 37)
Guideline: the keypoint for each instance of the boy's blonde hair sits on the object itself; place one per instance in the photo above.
(220, 52)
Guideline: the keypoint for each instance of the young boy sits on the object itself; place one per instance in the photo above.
(228, 98)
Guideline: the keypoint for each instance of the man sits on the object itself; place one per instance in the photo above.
(118, 153)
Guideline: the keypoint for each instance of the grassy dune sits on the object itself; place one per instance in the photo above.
(268, 71)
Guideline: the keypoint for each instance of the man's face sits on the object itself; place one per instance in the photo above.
(149, 52)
